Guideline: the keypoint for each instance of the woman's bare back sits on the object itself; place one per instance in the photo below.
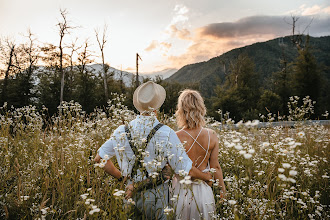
(199, 151)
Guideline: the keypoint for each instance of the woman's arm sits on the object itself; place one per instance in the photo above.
(214, 163)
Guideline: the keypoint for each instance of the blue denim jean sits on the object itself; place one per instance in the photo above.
(151, 202)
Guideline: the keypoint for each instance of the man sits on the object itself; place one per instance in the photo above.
(143, 148)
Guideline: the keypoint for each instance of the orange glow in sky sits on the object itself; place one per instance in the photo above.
(166, 34)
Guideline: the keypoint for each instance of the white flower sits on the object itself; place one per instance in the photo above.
(167, 210)
(84, 196)
(44, 211)
(293, 173)
(131, 201)
(247, 156)
(238, 147)
(281, 170)
(255, 122)
(106, 157)
(286, 165)
(291, 143)
(101, 165)
(97, 210)
(212, 170)
(291, 180)
(236, 140)
(232, 202)
(154, 174)
(119, 193)
(186, 180)
(301, 134)
(241, 152)
(265, 144)
(251, 151)
(25, 197)
(282, 177)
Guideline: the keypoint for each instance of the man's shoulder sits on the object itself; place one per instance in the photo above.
(167, 128)
(119, 129)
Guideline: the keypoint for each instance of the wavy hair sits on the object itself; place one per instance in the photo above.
(190, 109)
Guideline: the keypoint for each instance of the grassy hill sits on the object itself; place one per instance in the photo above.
(266, 56)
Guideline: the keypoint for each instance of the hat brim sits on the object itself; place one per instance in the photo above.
(159, 91)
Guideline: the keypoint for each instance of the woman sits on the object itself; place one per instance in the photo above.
(196, 200)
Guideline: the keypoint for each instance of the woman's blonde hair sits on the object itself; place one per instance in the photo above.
(190, 110)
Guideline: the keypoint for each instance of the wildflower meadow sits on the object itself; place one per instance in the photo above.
(48, 172)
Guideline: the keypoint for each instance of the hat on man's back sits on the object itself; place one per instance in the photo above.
(149, 96)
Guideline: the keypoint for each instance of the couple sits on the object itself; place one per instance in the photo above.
(157, 147)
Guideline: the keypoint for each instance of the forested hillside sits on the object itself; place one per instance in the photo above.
(275, 67)
(265, 55)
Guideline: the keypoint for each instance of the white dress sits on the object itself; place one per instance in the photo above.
(195, 200)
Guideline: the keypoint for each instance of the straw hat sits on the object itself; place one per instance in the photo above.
(148, 96)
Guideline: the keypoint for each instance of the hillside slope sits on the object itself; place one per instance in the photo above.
(266, 56)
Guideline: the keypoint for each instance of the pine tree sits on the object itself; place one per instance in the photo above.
(306, 75)
(241, 91)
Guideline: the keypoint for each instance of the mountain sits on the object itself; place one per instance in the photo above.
(266, 56)
(127, 77)
(166, 73)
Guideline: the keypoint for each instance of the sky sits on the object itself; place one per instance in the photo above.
(165, 33)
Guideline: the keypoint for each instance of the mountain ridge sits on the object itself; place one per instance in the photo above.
(266, 56)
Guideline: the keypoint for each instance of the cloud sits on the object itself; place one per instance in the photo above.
(183, 33)
(152, 45)
(214, 39)
(315, 10)
(326, 10)
(180, 14)
(251, 26)
(164, 46)
(311, 11)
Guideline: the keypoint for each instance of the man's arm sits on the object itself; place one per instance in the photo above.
(109, 167)
(197, 174)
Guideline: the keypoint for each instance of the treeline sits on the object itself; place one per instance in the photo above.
(244, 97)
(45, 74)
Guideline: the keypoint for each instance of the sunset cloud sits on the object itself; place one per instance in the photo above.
(216, 38)
(152, 45)
(183, 33)
(163, 46)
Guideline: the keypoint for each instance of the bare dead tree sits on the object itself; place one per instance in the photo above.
(73, 50)
(101, 42)
(296, 38)
(137, 70)
(64, 29)
(7, 54)
(32, 57)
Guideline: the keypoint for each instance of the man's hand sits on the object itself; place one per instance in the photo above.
(97, 158)
(129, 191)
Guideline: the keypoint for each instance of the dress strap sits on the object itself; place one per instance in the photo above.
(208, 147)
(195, 139)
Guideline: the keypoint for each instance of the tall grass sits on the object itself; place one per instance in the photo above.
(47, 170)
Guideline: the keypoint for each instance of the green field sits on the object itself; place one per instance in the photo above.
(47, 173)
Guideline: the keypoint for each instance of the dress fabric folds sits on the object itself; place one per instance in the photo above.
(193, 201)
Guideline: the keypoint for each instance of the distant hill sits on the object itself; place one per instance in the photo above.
(166, 73)
(266, 56)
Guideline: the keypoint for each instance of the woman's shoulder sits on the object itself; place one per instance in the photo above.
(211, 131)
